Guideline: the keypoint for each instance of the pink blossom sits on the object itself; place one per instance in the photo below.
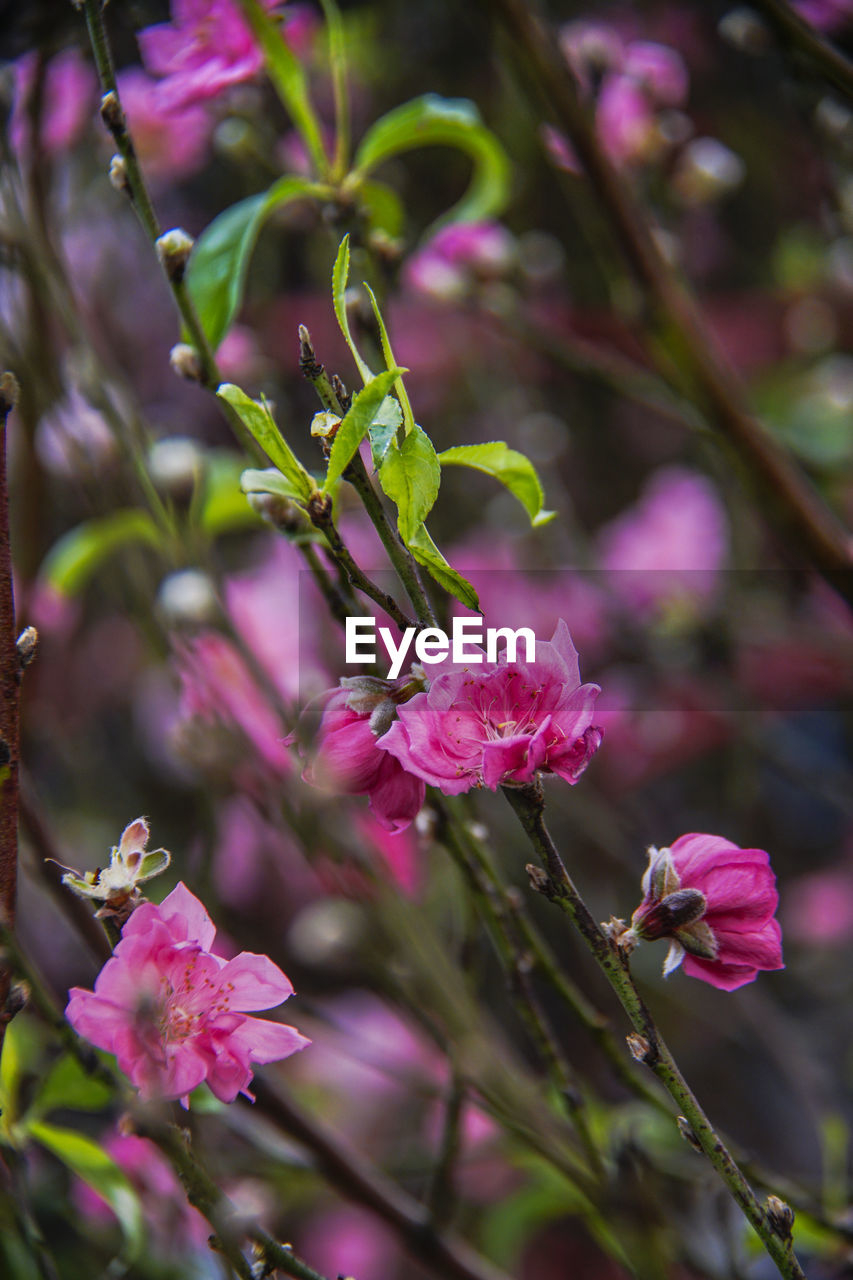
(625, 120)
(176, 1227)
(206, 48)
(717, 902)
(349, 758)
(170, 140)
(173, 1013)
(217, 688)
(500, 723)
(448, 264)
(827, 15)
(69, 98)
(659, 70)
(670, 546)
(820, 908)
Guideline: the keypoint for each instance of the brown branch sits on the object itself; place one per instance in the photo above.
(10, 699)
(801, 38)
(796, 505)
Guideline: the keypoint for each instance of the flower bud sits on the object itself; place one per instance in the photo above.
(175, 466)
(173, 249)
(27, 644)
(278, 511)
(325, 426)
(9, 392)
(117, 886)
(188, 598)
(780, 1217)
(112, 114)
(185, 361)
(744, 30)
(118, 174)
(707, 170)
(662, 918)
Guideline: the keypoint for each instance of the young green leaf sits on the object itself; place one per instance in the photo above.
(289, 80)
(270, 480)
(390, 362)
(219, 263)
(224, 508)
(356, 423)
(382, 207)
(67, 1085)
(338, 68)
(451, 122)
(410, 476)
(508, 466)
(90, 1162)
(257, 418)
(340, 276)
(383, 429)
(427, 553)
(78, 554)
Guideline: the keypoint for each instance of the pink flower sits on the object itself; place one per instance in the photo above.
(827, 15)
(717, 903)
(206, 48)
(171, 140)
(670, 546)
(350, 759)
(501, 723)
(69, 97)
(448, 264)
(217, 688)
(174, 1014)
(175, 1226)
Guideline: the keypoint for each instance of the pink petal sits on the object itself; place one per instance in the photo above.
(265, 1041)
(254, 982)
(187, 917)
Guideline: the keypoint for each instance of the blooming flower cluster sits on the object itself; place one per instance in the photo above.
(174, 1014)
(717, 903)
(482, 726)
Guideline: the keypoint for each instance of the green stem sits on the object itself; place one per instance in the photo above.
(647, 1044)
(357, 476)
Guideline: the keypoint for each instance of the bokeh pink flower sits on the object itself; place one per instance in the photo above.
(717, 904)
(209, 46)
(67, 104)
(174, 1013)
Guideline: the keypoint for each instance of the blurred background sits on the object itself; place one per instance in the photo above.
(170, 668)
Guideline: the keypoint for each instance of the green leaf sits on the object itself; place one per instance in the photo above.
(68, 1085)
(270, 480)
(20, 1055)
(79, 553)
(91, 1163)
(219, 263)
(340, 276)
(391, 363)
(410, 476)
(427, 553)
(356, 423)
(224, 508)
(450, 122)
(288, 78)
(384, 427)
(257, 418)
(508, 466)
(383, 208)
(338, 69)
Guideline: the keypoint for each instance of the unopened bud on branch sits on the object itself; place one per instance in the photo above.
(173, 249)
(118, 174)
(185, 361)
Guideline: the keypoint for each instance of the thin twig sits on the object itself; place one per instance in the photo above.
(10, 700)
(800, 37)
(647, 1044)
